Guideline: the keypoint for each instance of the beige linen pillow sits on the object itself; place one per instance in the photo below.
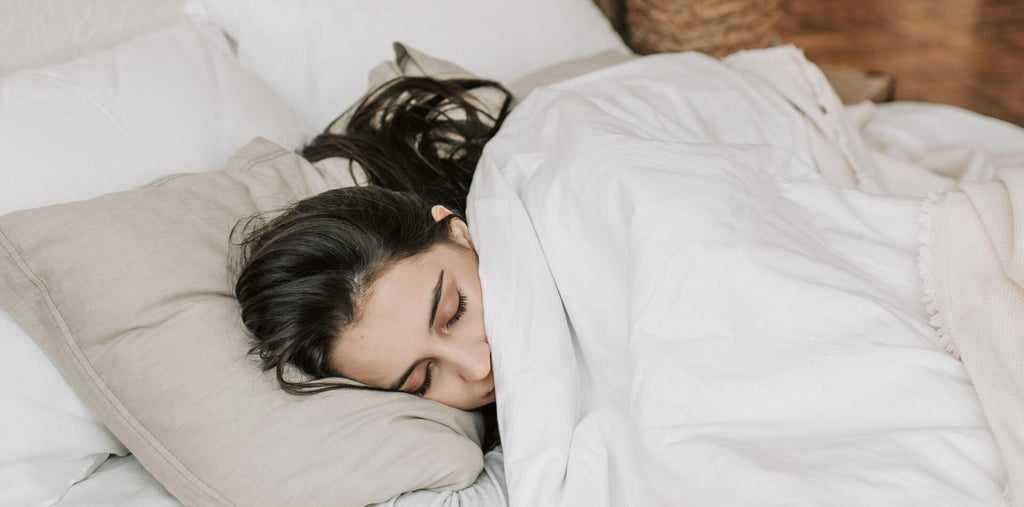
(568, 69)
(130, 295)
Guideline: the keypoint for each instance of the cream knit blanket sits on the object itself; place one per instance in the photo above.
(972, 261)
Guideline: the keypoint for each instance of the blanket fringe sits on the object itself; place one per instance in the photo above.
(924, 267)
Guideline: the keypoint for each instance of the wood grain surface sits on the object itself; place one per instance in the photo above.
(969, 53)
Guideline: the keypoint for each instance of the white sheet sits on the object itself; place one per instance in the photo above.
(681, 310)
(488, 490)
(118, 481)
(920, 148)
(123, 481)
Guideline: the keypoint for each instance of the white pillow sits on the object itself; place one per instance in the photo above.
(317, 53)
(172, 101)
(34, 33)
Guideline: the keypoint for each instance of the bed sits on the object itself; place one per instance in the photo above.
(793, 201)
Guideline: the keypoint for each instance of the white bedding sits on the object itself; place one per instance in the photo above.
(123, 481)
(694, 385)
(799, 370)
(118, 481)
(682, 310)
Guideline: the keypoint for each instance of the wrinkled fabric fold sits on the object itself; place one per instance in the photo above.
(976, 273)
(682, 309)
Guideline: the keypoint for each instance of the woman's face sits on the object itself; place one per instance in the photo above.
(421, 328)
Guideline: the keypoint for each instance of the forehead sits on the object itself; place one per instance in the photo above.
(393, 317)
(400, 287)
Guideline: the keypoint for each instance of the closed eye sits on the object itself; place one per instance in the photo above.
(426, 381)
(458, 311)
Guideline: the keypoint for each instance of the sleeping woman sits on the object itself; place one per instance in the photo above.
(379, 283)
(680, 303)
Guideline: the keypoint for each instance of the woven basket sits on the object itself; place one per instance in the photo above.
(715, 27)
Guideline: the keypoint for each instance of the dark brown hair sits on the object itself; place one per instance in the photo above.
(420, 135)
(302, 275)
(305, 271)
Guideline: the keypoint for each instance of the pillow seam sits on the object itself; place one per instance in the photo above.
(86, 367)
(266, 157)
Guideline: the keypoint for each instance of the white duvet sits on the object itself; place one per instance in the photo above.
(683, 312)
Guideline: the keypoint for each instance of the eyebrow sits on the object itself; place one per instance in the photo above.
(437, 300)
(405, 376)
(433, 316)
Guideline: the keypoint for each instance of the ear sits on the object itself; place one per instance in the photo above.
(459, 231)
(438, 212)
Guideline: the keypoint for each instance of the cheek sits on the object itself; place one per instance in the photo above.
(474, 326)
(452, 392)
(449, 388)
(472, 274)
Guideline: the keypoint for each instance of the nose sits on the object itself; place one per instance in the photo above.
(472, 360)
